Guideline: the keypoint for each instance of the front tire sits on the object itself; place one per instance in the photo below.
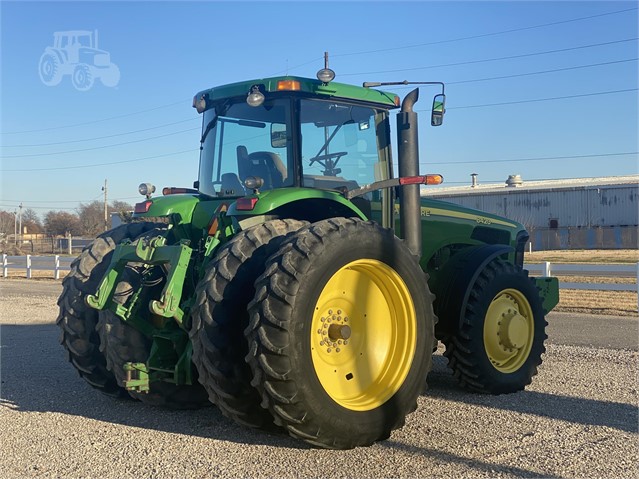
(110, 76)
(499, 345)
(220, 317)
(340, 334)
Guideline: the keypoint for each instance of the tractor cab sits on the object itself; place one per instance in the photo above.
(292, 132)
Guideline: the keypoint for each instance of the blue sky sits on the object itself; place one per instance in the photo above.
(167, 51)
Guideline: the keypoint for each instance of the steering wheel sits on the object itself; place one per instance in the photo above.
(328, 163)
(322, 159)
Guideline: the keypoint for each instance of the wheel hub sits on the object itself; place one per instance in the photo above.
(512, 330)
(508, 330)
(335, 330)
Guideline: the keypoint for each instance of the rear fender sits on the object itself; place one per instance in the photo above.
(296, 203)
(60, 54)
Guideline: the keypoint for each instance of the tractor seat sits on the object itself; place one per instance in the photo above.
(265, 164)
(231, 185)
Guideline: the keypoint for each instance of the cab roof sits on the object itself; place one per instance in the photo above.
(304, 85)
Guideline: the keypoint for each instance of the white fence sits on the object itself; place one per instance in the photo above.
(30, 263)
(582, 269)
(62, 263)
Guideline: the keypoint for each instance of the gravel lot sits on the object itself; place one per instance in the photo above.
(578, 419)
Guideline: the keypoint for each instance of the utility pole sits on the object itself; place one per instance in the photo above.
(20, 223)
(106, 206)
(15, 227)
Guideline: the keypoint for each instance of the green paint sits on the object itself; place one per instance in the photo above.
(270, 200)
(137, 378)
(333, 90)
(549, 291)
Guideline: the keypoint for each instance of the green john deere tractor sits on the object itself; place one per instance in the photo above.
(300, 286)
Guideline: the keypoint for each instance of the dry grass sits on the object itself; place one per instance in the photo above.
(36, 274)
(585, 256)
(619, 303)
(622, 303)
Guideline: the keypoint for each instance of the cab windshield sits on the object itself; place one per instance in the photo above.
(338, 147)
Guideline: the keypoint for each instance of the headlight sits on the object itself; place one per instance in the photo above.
(146, 189)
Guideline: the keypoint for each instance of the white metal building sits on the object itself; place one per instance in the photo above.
(560, 214)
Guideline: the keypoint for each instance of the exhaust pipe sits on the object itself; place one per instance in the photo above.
(410, 224)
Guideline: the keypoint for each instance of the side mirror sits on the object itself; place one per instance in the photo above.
(439, 108)
(278, 135)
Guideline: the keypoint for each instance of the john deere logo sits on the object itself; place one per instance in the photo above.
(76, 53)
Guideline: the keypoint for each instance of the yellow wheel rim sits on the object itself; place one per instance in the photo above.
(363, 335)
(508, 330)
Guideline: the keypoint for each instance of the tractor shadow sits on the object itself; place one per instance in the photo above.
(35, 377)
(576, 410)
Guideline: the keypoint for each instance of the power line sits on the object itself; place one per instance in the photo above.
(483, 35)
(502, 32)
(101, 137)
(95, 121)
(98, 147)
(98, 164)
(516, 75)
(524, 55)
(544, 71)
(517, 102)
(39, 207)
(513, 160)
(448, 108)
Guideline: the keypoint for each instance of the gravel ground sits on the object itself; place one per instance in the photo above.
(578, 419)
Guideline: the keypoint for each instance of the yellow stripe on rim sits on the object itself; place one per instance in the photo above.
(363, 335)
(509, 330)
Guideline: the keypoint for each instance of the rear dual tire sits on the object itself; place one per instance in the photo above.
(349, 381)
(220, 315)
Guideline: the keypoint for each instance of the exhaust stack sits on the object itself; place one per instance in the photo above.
(410, 223)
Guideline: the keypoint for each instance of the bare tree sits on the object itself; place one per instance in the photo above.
(7, 223)
(31, 221)
(123, 209)
(91, 218)
(57, 223)
(92, 215)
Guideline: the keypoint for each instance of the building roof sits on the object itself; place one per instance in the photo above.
(563, 184)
